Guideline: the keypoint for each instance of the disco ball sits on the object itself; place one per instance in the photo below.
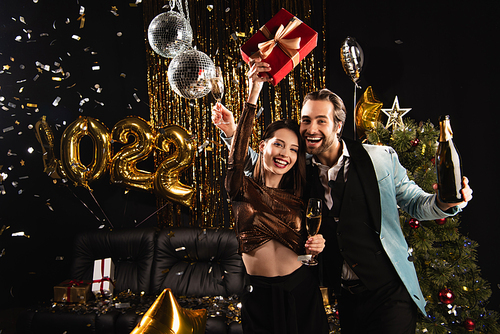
(189, 74)
(169, 34)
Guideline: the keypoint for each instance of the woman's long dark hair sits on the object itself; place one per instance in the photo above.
(295, 178)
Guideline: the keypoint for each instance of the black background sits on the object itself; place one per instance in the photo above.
(437, 57)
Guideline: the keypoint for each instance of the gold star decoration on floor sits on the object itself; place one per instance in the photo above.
(395, 115)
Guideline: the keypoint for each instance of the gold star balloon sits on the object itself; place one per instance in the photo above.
(166, 316)
(395, 115)
(367, 112)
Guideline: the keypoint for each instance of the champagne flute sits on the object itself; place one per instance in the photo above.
(217, 84)
(313, 223)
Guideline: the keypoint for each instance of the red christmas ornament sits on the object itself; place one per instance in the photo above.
(415, 142)
(414, 223)
(441, 221)
(469, 324)
(446, 296)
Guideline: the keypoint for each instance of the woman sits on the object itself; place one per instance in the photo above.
(282, 295)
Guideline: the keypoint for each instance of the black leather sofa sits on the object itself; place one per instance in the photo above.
(192, 262)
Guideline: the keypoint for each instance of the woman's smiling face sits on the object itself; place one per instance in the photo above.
(279, 154)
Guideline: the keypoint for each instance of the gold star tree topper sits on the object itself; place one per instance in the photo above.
(395, 115)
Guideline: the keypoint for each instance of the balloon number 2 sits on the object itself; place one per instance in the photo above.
(122, 165)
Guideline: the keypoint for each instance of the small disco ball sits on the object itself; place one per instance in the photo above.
(189, 74)
(169, 34)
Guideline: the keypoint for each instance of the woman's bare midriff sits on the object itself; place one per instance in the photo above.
(270, 260)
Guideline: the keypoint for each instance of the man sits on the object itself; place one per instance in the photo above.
(366, 260)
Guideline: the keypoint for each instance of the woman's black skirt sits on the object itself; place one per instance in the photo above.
(290, 304)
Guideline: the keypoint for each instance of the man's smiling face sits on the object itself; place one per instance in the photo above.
(317, 126)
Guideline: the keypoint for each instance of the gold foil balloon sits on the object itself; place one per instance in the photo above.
(70, 150)
(45, 137)
(124, 163)
(166, 180)
(367, 112)
(352, 58)
(165, 316)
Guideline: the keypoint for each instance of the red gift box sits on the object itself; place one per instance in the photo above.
(282, 43)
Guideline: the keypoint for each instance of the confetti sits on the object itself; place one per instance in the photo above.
(20, 234)
(5, 227)
(96, 68)
(7, 129)
(137, 99)
(56, 101)
(76, 37)
(180, 249)
(202, 147)
(83, 101)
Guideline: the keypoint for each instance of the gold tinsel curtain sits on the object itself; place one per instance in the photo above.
(220, 27)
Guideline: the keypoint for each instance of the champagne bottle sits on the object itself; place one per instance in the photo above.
(448, 165)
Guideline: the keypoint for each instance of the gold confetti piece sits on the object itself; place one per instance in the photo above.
(56, 79)
(22, 163)
(210, 7)
(6, 67)
(82, 21)
(31, 105)
(5, 227)
(241, 34)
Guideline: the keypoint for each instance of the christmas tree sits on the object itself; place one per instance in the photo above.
(445, 259)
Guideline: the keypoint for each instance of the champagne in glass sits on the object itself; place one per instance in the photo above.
(217, 84)
(313, 223)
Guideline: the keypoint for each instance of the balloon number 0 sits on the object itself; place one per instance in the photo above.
(123, 165)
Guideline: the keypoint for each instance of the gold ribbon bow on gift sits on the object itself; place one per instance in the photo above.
(289, 46)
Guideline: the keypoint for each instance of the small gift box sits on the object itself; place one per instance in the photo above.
(282, 42)
(72, 291)
(103, 278)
